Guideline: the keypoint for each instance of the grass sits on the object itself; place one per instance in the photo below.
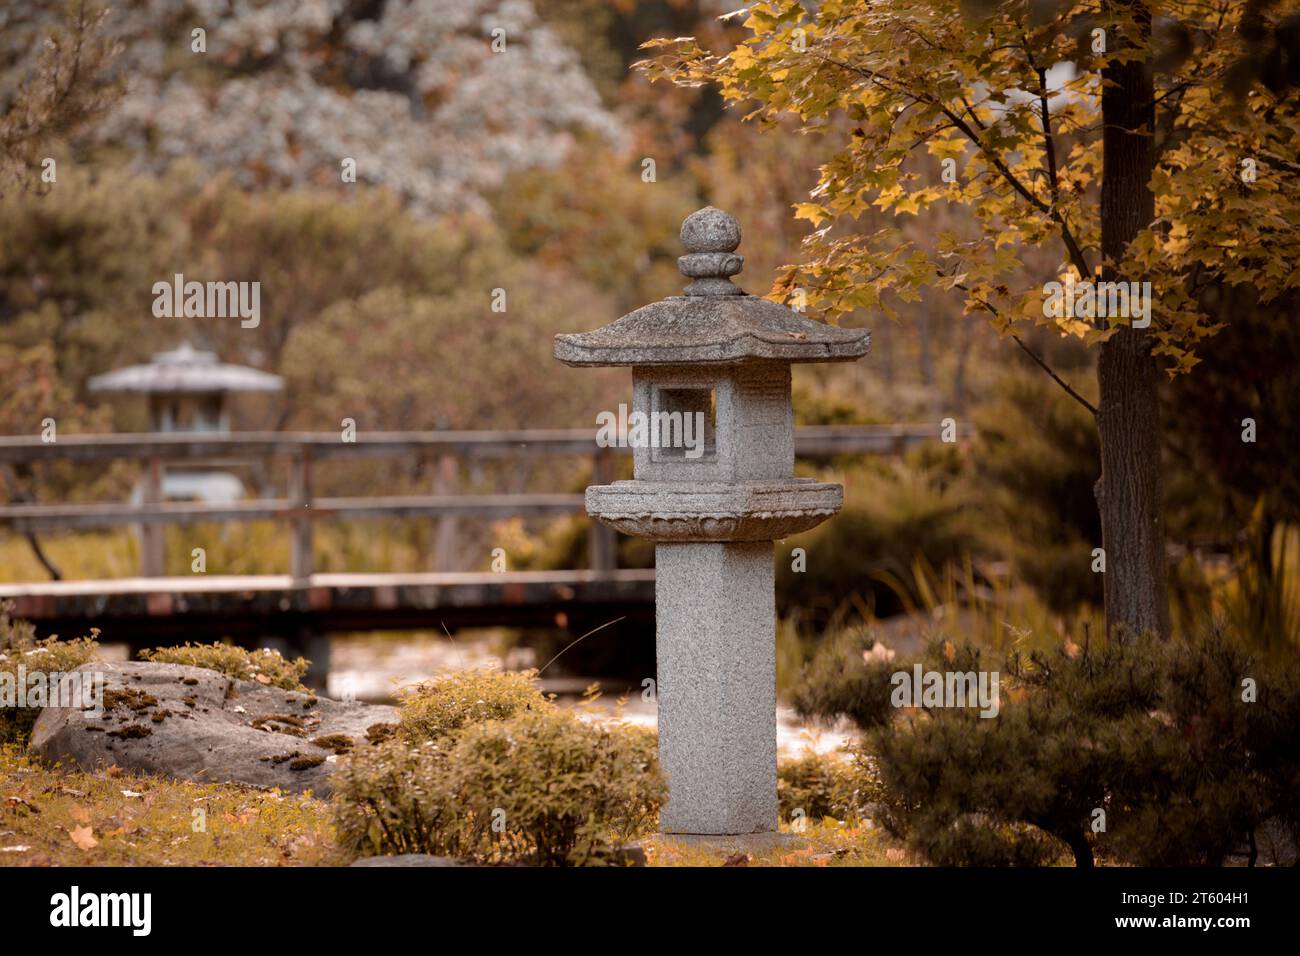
(52, 817)
(828, 843)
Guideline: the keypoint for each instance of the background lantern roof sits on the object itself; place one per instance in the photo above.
(714, 322)
(185, 370)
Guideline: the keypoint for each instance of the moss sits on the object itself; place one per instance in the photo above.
(131, 732)
(338, 743)
(306, 762)
(263, 665)
(19, 647)
(439, 708)
(378, 733)
(133, 700)
(290, 724)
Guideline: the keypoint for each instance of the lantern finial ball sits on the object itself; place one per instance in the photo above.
(710, 230)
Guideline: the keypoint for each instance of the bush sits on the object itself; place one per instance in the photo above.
(394, 797)
(568, 792)
(263, 665)
(437, 709)
(19, 647)
(1154, 734)
(867, 556)
(541, 787)
(816, 786)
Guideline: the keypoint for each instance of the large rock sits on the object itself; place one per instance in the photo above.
(197, 724)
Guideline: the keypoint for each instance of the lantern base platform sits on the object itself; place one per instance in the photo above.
(714, 511)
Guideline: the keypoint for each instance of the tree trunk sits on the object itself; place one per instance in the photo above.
(1081, 849)
(1128, 417)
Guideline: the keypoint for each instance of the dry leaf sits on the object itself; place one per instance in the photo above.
(949, 652)
(261, 678)
(84, 838)
(113, 771)
(18, 803)
(80, 814)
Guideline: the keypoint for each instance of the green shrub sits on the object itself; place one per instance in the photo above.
(542, 786)
(19, 647)
(265, 666)
(394, 797)
(1155, 734)
(866, 557)
(568, 792)
(438, 709)
(816, 786)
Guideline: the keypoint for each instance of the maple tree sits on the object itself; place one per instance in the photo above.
(1139, 142)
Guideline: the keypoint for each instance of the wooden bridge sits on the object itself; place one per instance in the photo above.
(303, 605)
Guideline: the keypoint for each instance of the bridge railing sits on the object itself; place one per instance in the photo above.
(302, 509)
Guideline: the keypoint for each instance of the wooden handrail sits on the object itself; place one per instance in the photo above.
(810, 441)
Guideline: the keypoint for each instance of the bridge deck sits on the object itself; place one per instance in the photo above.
(143, 611)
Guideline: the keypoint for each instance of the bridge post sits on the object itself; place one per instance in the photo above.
(301, 534)
(153, 561)
(602, 541)
(444, 541)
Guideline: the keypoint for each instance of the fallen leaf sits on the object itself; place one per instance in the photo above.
(80, 814)
(17, 803)
(261, 678)
(113, 771)
(84, 838)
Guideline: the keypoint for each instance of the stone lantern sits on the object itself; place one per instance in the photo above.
(719, 358)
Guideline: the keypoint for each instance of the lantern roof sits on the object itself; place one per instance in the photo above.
(714, 322)
(185, 370)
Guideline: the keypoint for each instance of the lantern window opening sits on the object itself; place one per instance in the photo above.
(683, 424)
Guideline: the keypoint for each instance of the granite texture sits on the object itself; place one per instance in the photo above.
(715, 322)
(753, 429)
(721, 511)
(716, 688)
(725, 355)
(192, 723)
(713, 329)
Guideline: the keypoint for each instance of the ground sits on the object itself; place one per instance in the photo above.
(52, 817)
(49, 817)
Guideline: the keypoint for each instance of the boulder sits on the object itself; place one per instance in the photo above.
(191, 723)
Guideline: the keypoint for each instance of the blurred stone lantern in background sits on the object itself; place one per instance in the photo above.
(713, 487)
(187, 391)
